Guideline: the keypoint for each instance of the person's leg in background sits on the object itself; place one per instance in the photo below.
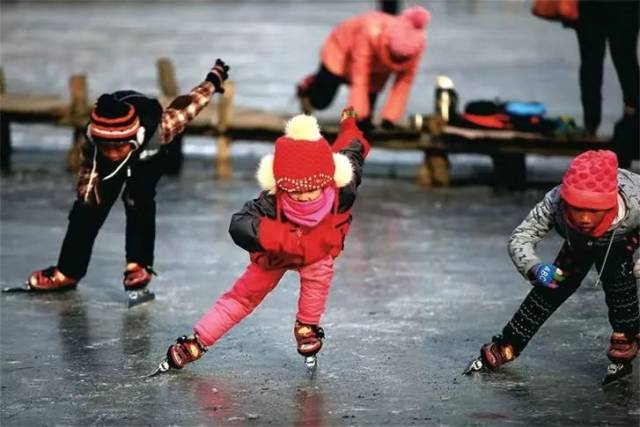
(622, 34)
(591, 40)
(317, 91)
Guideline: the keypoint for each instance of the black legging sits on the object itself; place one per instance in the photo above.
(325, 86)
(615, 22)
(618, 283)
(85, 220)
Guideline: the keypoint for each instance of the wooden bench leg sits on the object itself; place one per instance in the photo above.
(509, 171)
(5, 144)
(73, 154)
(434, 170)
(224, 168)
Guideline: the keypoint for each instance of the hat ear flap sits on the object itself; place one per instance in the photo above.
(140, 136)
(265, 175)
(343, 174)
(89, 133)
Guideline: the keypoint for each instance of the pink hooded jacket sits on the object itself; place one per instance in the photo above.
(357, 50)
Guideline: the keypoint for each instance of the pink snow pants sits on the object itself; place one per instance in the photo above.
(251, 288)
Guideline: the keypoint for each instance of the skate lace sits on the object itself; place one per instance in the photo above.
(49, 272)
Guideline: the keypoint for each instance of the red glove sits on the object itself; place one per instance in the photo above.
(348, 131)
(275, 236)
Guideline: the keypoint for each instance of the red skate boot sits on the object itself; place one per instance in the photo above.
(50, 279)
(492, 356)
(309, 342)
(136, 279)
(186, 349)
(623, 348)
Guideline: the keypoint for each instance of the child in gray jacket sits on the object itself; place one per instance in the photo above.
(597, 211)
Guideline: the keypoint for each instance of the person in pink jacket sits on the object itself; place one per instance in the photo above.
(363, 52)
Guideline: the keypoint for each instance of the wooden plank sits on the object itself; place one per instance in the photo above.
(30, 108)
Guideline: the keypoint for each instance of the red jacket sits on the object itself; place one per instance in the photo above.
(356, 50)
(262, 229)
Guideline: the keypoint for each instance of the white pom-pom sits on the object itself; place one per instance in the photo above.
(344, 171)
(264, 174)
(303, 127)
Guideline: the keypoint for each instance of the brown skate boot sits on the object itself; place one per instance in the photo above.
(137, 276)
(494, 355)
(186, 349)
(50, 279)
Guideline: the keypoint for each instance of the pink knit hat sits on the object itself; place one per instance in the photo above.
(407, 34)
(591, 182)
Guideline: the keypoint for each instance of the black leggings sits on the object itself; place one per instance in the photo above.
(325, 86)
(85, 220)
(615, 22)
(618, 283)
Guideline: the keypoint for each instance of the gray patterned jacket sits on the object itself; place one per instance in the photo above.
(547, 214)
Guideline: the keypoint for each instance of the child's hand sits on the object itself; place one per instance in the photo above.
(218, 75)
(547, 275)
(347, 113)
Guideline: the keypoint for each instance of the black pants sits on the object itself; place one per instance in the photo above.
(325, 86)
(85, 220)
(619, 285)
(615, 22)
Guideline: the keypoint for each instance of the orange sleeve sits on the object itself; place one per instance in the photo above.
(395, 105)
(362, 56)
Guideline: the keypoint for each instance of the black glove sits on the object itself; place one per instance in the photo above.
(388, 125)
(218, 74)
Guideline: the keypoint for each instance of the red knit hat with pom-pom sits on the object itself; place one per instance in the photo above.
(303, 160)
(591, 182)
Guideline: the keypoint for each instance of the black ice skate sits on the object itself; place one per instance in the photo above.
(140, 296)
(162, 368)
(616, 371)
(135, 283)
(475, 365)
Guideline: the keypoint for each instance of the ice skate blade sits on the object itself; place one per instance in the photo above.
(16, 289)
(140, 296)
(616, 372)
(311, 362)
(476, 365)
(162, 368)
(26, 288)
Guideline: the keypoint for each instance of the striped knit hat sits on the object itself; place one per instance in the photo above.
(113, 121)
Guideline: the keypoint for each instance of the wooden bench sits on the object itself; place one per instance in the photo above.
(225, 121)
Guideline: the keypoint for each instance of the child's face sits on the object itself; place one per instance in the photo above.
(305, 196)
(585, 219)
(115, 152)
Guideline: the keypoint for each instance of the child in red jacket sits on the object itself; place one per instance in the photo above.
(299, 222)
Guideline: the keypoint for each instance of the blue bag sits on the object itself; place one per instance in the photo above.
(516, 108)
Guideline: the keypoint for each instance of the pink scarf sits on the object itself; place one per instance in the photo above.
(309, 214)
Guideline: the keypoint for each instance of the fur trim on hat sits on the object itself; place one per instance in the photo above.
(303, 127)
(344, 171)
(265, 176)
